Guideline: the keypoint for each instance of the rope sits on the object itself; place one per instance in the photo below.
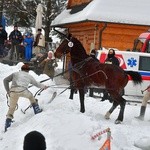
(38, 92)
(53, 77)
(82, 79)
(7, 96)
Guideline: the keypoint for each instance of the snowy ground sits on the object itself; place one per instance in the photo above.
(64, 127)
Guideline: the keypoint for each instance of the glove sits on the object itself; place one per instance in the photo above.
(45, 87)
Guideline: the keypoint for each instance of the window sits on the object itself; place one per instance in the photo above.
(148, 47)
(144, 63)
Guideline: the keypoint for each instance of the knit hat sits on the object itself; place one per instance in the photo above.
(39, 29)
(51, 55)
(34, 141)
(25, 67)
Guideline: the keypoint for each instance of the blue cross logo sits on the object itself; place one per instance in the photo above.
(132, 62)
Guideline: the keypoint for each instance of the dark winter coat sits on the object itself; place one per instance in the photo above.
(3, 36)
(15, 37)
(113, 60)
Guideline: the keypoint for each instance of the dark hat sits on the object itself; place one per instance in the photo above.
(39, 29)
(111, 49)
(25, 67)
(93, 52)
(34, 140)
(1, 25)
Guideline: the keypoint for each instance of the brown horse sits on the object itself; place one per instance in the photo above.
(89, 72)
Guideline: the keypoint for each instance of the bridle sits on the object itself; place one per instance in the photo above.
(76, 68)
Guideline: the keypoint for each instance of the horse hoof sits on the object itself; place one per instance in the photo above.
(139, 118)
(107, 115)
(118, 122)
(82, 111)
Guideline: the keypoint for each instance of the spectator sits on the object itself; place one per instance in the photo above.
(39, 42)
(19, 88)
(93, 54)
(16, 38)
(49, 65)
(28, 42)
(37, 60)
(3, 39)
(145, 100)
(34, 140)
(111, 59)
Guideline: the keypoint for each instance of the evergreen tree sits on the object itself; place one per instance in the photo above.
(23, 12)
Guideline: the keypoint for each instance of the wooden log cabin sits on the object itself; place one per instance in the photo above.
(108, 24)
(101, 23)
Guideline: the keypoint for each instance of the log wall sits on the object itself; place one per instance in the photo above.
(119, 36)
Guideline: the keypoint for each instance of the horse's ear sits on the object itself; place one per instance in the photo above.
(69, 36)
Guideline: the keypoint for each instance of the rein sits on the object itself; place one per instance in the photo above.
(54, 76)
(82, 63)
(76, 68)
(73, 82)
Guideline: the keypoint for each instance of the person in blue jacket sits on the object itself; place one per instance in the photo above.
(28, 42)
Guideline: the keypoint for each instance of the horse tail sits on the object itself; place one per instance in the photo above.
(135, 76)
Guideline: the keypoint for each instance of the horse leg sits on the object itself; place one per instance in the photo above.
(121, 113)
(107, 115)
(105, 95)
(81, 94)
(71, 93)
(118, 100)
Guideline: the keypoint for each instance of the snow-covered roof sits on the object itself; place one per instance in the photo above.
(115, 11)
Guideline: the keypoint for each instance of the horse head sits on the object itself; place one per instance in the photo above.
(63, 48)
(73, 46)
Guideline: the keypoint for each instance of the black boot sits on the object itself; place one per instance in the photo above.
(105, 96)
(36, 108)
(142, 113)
(7, 123)
(91, 92)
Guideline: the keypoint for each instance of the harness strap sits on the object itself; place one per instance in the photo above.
(76, 69)
(79, 65)
(99, 71)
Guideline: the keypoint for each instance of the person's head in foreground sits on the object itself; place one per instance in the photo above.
(34, 140)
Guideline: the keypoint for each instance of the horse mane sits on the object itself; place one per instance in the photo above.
(79, 47)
